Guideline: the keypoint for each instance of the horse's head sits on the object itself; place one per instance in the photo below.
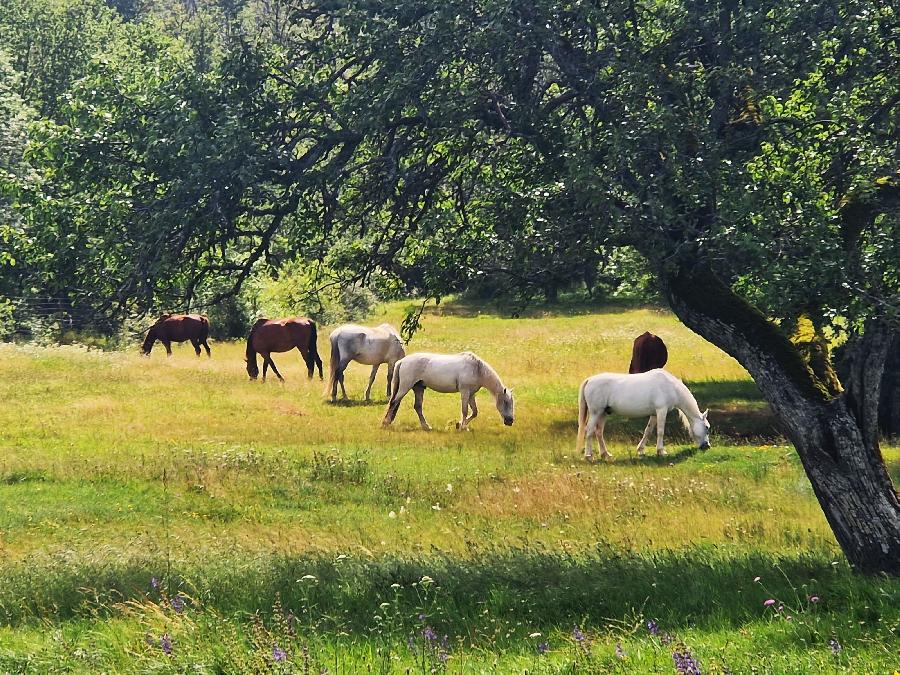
(252, 368)
(507, 406)
(148, 341)
(700, 430)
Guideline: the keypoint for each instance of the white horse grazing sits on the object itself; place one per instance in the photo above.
(370, 346)
(446, 373)
(653, 393)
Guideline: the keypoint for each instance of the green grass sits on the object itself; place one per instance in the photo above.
(115, 469)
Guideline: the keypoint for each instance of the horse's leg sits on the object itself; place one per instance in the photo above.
(274, 369)
(307, 359)
(205, 344)
(649, 430)
(660, 430)
(601, 422)
(394, 405)
(473, 407)
(265, 358)
(196, 344)
(464, 396)
(372, 380)
(390, 377)
(589, 437)
(168, 345)
(419, 391)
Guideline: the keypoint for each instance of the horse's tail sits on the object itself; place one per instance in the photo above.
(204, 328)
(333, 365)
(252, 368)
(314, 359)
(395, 381)
(582, 418)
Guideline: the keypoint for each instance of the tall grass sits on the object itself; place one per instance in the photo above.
(278, 519)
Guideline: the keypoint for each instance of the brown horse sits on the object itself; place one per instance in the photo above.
(171, 328)
(649, 352)
(282, 335)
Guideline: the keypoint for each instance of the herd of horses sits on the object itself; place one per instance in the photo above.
(646, 391)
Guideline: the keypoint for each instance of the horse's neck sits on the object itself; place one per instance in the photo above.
(686, 402)
(489, 379)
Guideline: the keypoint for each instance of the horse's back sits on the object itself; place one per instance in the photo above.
(631, 395)
(281, 335)
(648, 352)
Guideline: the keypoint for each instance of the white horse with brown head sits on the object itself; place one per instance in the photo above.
(653, 393)
(446, 373)
(370, 346)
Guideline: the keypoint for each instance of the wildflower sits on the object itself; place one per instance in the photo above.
(756, 579)
(165, 643)
(177, 604)
(535, 635)
(620, 653)
(278, 653)
(411, 643)
(154, 583)
(392, 514)
(426, 580)
(769, 602)
(814, 599)
(543, 648)
(422, 618)
(685, 664)
(429, 634)
(443, 656)
(835, 646)
(667, 639)
(653, 627)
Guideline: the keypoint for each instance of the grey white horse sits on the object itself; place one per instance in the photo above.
(446, 373)
(653, 393)
(370, 346)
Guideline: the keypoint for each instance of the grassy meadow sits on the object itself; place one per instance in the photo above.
(169, 515)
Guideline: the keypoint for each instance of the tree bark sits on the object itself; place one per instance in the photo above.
(834, 435)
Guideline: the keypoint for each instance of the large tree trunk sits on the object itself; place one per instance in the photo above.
(834, 433)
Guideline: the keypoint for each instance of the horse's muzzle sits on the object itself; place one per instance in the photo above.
(704, 446)
(508, 421)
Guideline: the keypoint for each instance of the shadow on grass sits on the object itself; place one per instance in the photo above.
(358, 403)
(544, 589)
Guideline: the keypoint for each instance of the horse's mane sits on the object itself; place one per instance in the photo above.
(685, 421)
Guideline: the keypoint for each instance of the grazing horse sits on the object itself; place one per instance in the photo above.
(369, 346)
(171, 328)
(653, 393)
(649, 352)
(282, 335)
(446, 373)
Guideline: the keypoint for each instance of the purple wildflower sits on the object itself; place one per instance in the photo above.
(154, 583)
(653, 627)
(177, 604)
(429, 634)
(443, 656)
(411, 643)
(620, 653)
(278, 653)
(685, 664)
(769, 602)
(165, 643)
(835, 646)
(543, 648)
(422, 618)
(578, 635)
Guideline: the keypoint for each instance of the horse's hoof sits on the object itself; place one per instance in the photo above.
(661, 453)
(589, 459)
(606, 457)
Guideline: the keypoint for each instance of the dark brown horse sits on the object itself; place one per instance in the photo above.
(282, 335)
(649, 352)
(171, 328)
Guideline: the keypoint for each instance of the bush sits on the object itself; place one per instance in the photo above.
(313, 290)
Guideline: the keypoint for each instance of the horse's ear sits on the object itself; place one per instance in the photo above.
(705, 413)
